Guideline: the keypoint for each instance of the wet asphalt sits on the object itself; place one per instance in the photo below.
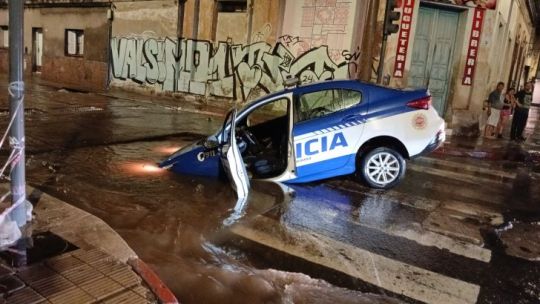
(98, 152)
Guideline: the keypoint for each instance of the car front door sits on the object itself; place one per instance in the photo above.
(232, 159)
(328, 128)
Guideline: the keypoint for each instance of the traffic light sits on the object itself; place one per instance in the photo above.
(391, 15)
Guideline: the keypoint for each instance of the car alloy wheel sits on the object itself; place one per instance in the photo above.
(383, 168)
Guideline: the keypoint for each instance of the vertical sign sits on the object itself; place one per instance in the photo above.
(474, 44)
(403, 38)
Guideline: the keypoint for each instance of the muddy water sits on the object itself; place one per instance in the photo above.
(170, 220)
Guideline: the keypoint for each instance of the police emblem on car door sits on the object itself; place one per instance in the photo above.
(231, 158)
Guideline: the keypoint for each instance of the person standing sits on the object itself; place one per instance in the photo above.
(509, 101)
(521, 112)
(495, 105)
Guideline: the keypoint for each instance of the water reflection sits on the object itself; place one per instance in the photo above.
(141, 168)
(167, 150)
(238, 211)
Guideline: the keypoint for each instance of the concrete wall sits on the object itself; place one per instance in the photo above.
(316, 23)
(266, 21)
(228, 25)
(244, 59)
(145, 18)
(142, 21)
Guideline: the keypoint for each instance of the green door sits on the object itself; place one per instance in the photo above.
(432, 53)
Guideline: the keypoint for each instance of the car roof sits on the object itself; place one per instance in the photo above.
(325, 85)
(353, 84)
(330, 84)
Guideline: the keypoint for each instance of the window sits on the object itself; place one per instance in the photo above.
(74, 42)
(4, 36)
(321, 103)
(273, 110)
(229, 6)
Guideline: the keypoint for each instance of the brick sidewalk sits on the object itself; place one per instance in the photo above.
(80, 276)
(75, 257)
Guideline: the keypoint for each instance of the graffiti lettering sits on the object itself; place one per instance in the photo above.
(354, 56)
(224, 69)
(289, 40)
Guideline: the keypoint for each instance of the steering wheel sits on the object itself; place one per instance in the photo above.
(318, 112)
(250, 139)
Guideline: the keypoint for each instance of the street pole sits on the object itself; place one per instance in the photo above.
(16, 109)
(381, 59)
(383, 45)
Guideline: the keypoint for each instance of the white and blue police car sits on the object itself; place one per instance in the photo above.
(317, 131)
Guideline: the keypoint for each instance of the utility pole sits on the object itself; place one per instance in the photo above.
(16, 110)
(388, 28)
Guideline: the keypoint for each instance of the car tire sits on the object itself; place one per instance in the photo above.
(382, 168)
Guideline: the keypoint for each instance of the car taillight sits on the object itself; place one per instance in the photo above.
(422, 103)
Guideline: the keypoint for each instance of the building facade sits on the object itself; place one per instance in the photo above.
(55, 33)
(460, 51)
(242, 49)
(233, 49)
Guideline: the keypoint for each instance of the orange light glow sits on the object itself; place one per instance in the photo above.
(151, 168)
(142, 168)
(167, 150)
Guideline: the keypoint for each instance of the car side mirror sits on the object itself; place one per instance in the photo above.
(210, 144)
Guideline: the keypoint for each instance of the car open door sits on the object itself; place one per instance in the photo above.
(232, 159)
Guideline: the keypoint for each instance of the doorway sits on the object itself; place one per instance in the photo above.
(433, 53)
(37, 47)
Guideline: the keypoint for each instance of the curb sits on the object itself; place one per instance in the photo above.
(160, 290)
(84, 229)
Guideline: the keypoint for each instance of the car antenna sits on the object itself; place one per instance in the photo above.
(291, 82)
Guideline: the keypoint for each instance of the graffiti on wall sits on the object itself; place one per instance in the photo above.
(228, 70)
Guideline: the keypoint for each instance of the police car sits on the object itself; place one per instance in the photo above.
(317, 131)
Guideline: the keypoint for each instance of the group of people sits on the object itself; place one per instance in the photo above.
(502, 106)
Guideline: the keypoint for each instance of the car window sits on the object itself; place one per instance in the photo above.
(270, 111)
(321, 103)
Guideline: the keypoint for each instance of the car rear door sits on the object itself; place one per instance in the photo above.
(329, 125)
(231, 158)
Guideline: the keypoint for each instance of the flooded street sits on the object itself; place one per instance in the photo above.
(436, 238)
(171, 220)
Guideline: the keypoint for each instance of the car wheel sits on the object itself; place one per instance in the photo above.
(382, 168)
